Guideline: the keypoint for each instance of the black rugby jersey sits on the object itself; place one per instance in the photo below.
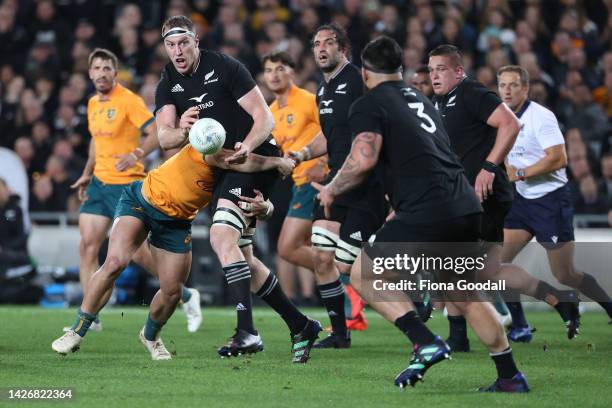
(422, 175)
(334, 99)
(215, 87)
(465, 111)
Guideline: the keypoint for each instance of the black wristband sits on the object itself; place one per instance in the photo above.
(490, 167)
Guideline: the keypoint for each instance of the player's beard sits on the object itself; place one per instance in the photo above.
(331, 66)
(105, 89)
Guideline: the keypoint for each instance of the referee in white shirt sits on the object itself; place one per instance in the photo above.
(542, 206)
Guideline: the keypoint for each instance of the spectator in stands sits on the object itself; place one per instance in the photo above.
(605, 184)
(603, 94)
(74, 165)
(586, 115)
(25, 150)
(67, 121)
(538, 92)
(495, 33)
(589, 201)
(13, 38)
(56, 171)
(41, 197)
(51, 30)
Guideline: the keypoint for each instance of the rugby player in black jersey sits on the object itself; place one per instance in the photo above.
(201, 83)
(356, 215)
(397, 128)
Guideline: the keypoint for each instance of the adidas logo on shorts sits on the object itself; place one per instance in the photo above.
(240, 307)
(356, 236)
(236, 191)
(177, 88)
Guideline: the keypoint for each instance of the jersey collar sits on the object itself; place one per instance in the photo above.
(520, 112)
(456, 86)
(112, 93)
(339, 71)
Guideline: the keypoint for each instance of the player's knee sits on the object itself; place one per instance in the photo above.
(324, 262)
(89, 247)
(284, 248)
(114, 265)
(172, 291)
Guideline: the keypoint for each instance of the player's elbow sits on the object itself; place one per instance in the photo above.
(560, 161)
(165, 139)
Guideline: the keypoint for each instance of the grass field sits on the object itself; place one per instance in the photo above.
(113, 369)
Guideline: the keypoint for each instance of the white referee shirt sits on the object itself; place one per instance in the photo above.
(539, 131)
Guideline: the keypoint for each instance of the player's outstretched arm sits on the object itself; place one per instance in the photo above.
(255, 163)
(316, 148)
(169, 134)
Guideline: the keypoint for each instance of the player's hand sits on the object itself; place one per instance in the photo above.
(300, 155)
(511, 173)
(285, 166)
(81, 184)
(326, 198)
(484, 184)
(390, 216)
(255, 207)
(241, 152)
(188, 118)
(125, 161)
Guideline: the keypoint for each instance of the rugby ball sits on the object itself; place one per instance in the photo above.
(207, 136)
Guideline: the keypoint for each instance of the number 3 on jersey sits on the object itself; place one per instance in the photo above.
(431, 127)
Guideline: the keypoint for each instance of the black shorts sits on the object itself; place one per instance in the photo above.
(356, 225)
(460, 229)
(492, 221)
(231, 185)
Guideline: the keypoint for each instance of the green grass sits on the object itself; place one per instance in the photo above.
(112, 368)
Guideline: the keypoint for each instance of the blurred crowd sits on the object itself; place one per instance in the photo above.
(565, 45)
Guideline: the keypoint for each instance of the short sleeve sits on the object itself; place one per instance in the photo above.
(548, 133)
(138, 113)
(363, 117)
(239, 79)
(163, 96)
(480, 101)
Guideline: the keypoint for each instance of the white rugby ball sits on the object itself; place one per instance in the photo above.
(207, 136)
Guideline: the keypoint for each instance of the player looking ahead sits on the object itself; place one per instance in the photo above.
(202, 83)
